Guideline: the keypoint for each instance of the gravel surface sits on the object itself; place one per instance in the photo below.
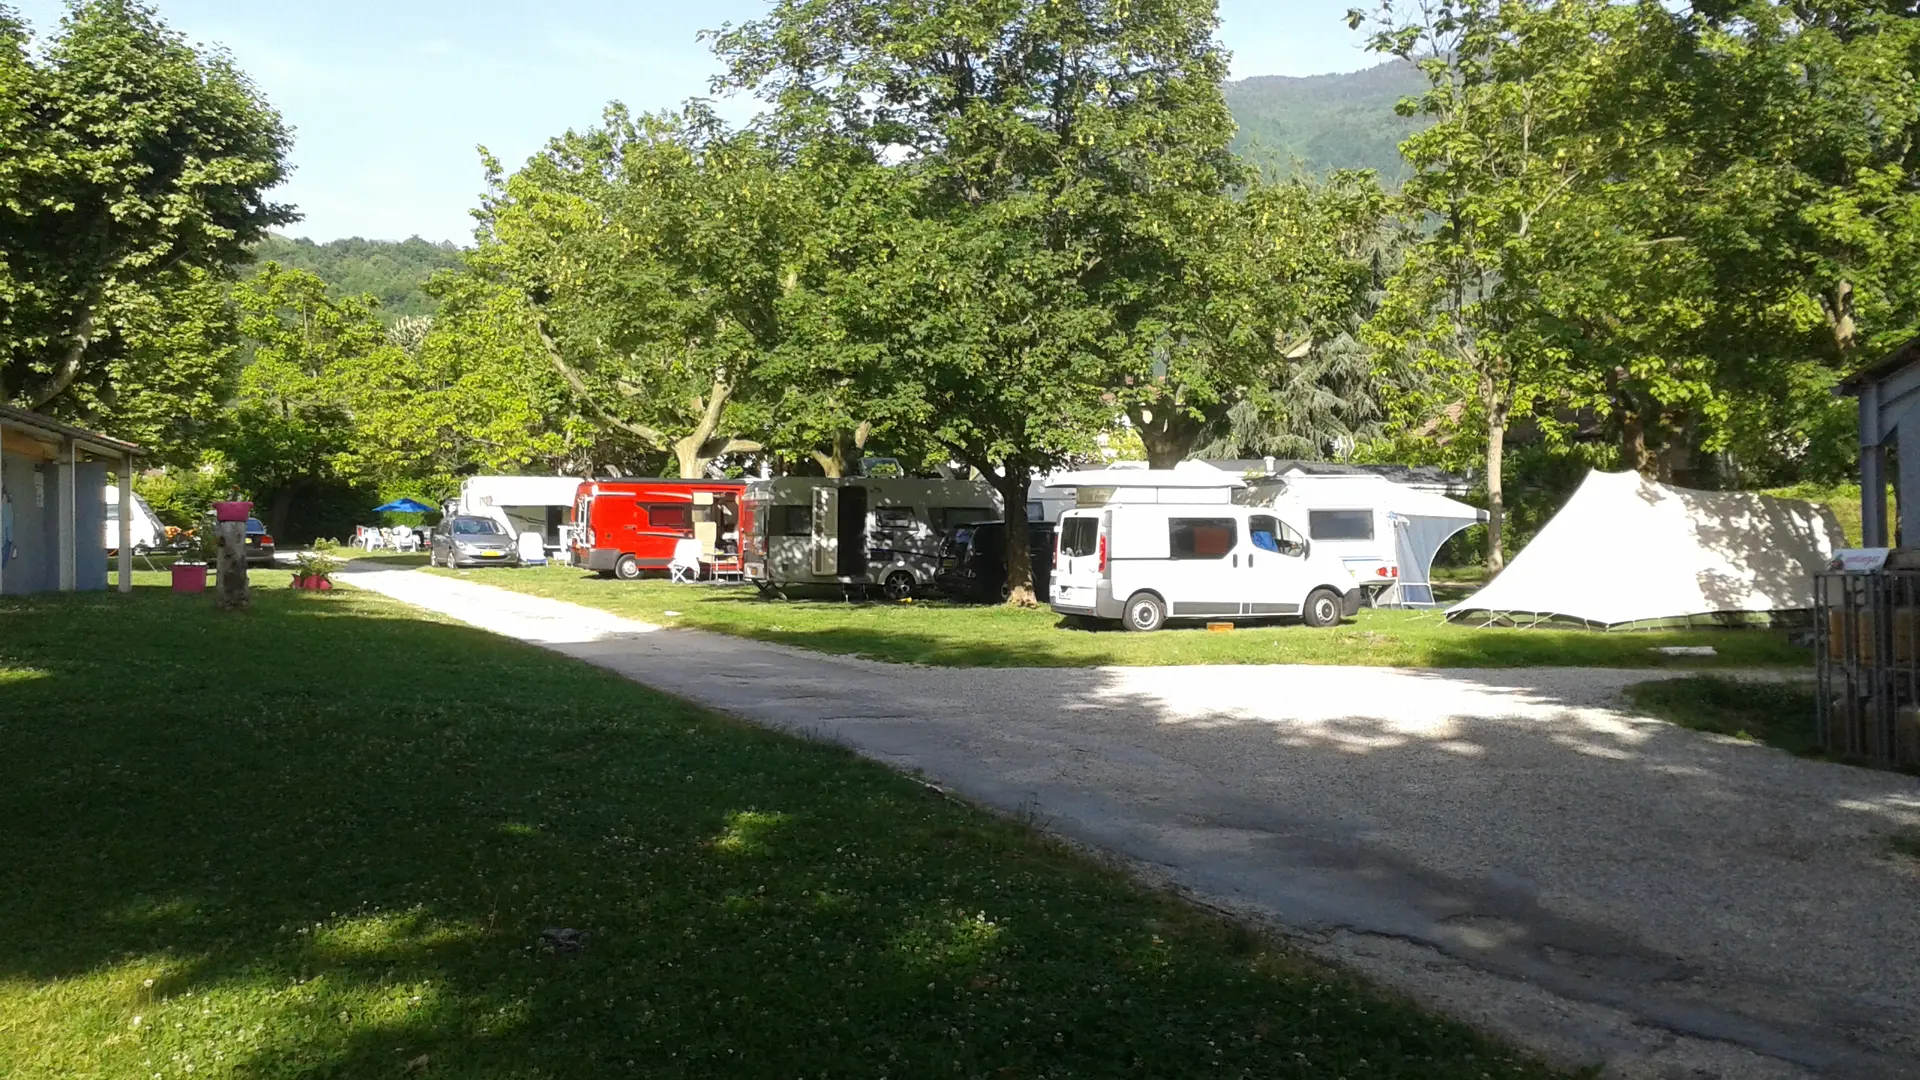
(1510, 846)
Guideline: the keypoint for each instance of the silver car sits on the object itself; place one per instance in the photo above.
(472, 541)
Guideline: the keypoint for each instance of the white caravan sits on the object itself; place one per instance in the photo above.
(810, 530)
(147, 531)
(1143, 563)
(522, 504)
(1386, 534)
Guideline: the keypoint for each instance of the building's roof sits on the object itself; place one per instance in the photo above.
(1899, 358)
(91, 441)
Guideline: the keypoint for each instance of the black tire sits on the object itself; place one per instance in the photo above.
(1144, 613)
(899, 586)
(627, 569)
(1322, 608)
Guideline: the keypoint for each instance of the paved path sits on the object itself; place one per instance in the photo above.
(1503, 844)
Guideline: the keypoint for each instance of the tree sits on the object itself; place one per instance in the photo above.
(654, 255)
(290, 431)
(1505, 158)
(1281, 273)
(133, 170)
(1050, 146)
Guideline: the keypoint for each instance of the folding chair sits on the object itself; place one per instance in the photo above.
(685, 565)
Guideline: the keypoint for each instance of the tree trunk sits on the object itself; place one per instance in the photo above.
(1168, 433)
(848, 444)
(70, 362)
(230, 583)
(1496, 494)
(1012, 485)
(1634, 455)
(282, 506)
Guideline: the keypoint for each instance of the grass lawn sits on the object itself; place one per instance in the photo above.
(961, 635)
(324, 837)
(1779, 714)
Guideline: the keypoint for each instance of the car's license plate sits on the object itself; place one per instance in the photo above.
(491, 554)
(946, 564)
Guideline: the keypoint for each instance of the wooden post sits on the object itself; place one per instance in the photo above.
(4, 554)
(66, 482)
(126, 523)
(231, 589)
(1873, 470)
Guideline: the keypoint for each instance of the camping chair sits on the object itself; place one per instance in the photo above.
(404, 540)
(685, 565)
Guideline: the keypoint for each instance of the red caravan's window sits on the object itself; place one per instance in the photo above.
(670, 517)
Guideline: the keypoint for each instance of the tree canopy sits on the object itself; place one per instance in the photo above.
(134, 178)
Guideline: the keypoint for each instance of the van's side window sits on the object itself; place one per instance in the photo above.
(1201, 538)
(895, 517)
(670, 517)
(1079, 537)
(1340, 524)
(792, 521)
(1269, 533)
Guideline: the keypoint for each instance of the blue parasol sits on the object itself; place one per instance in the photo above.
(403, 506)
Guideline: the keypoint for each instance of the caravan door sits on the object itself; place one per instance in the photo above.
(826, 531)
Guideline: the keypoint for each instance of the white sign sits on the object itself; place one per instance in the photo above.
(1860, 560)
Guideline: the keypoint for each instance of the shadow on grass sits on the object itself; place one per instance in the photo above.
(320, 838)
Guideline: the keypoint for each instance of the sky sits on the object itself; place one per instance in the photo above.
(388, 101)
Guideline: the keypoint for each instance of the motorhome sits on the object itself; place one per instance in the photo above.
(627, 526)
(1142, 563)
(1386, 534)
(147, 531)
(856, 531)
(521, 504)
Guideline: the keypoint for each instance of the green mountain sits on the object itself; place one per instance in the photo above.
(394, 271)
(1324, 122)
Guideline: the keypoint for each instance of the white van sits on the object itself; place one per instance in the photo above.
(1145, 563)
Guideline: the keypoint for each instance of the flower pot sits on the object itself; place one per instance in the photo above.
(326, 584)
(231, 511)
(189, 577)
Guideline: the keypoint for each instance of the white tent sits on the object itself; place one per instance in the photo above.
(1627, 550)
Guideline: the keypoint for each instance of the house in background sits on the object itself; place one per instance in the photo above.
(52, 511)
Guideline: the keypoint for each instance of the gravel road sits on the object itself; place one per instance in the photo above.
(1510, 846)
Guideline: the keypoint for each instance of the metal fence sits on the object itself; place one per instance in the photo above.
(1868, 657)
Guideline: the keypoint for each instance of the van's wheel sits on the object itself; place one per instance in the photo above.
(627, 569)
(898, 586)
(1323, 608)
(1145, 612)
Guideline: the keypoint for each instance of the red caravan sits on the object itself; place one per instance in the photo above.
(629, 525)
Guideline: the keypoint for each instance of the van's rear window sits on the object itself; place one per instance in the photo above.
(1079, 536)
(1340, 524)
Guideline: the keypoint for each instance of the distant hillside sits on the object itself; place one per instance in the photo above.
(1327, 122)
(393, 271)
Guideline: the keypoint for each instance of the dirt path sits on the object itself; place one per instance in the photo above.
(1506, 845)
